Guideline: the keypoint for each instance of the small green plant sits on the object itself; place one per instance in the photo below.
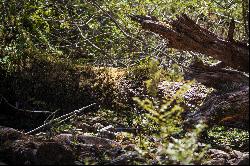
(166, 113)
(62, 128)
(163, 120)
(150, 73)
(234, 138)
(186, 150)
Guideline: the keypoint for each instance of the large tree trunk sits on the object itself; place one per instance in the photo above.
(229, 105)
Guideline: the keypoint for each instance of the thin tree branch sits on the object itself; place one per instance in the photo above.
(22, 110)
(60, 119)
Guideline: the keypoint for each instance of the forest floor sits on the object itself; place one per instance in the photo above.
(107, 133)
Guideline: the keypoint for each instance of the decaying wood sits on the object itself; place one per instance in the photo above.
(229, 104)
(229, 109)
(185, 34)
(217, 77)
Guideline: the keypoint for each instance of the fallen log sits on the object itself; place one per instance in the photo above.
(229, 109)
(221, 79)
(184, 34)
(229, 104)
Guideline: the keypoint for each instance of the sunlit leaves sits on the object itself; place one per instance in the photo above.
(51, 25)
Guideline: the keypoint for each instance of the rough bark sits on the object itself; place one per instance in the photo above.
(228, 109)
(229, 104)
(219, 78)
(185, 34)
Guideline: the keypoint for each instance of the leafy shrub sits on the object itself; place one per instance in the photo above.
(149, 73)
(163, 121)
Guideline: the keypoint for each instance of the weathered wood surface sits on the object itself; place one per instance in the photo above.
(184, 34)
(229, 109)
(229, 105)
(217, 77)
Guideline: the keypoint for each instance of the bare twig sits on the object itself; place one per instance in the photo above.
(94, 3)
(22, 110)
(60, 119)
(50, 117)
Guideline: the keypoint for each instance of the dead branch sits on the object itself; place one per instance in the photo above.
(184, 34)
(21, 110)
(230, 102)
(60, 119)
(229, 109)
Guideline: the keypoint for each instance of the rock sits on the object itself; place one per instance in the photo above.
(107, 134)
(24, 156)
(219, 157)
(232, 161)
(244, 160)
(236, 154)
(216, 154)
(126, 158)
(53, 153)
(219, 161)
(86, 128)
(86, 151)
(98, 126)
(97, 141)
(9, 134)
(20, 152)
(234, 157)
(65, 139)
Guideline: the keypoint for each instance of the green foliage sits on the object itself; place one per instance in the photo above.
(234, 138)
(145, 70)
(61, 128)
(77, 30)
(101, 32)
(186, 150)
(167, 114)
(41, 39)
(163, 120)
(150, 72)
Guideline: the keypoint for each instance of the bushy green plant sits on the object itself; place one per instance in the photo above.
(163, 121)
(186, 150)
(149, 73)
(166, 113)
